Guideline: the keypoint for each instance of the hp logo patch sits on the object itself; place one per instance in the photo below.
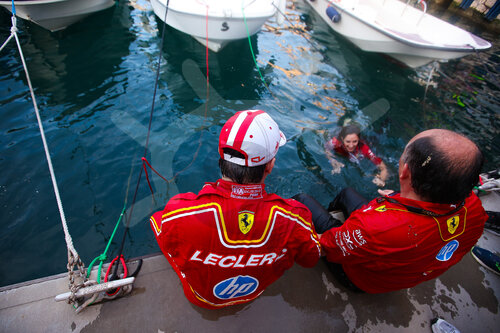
(447, 251)
(237, 286)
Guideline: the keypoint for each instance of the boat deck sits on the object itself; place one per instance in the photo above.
(302, 300)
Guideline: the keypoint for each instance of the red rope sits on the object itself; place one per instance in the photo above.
(125, 272)
(147, 175)
(206, 55)
(144, 162)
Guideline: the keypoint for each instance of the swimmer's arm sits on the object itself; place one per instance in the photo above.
(336, 165)
(331, 157)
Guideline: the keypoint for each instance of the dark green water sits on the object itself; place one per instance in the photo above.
(94, 84)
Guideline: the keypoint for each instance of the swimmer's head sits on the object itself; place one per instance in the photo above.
(349, 136)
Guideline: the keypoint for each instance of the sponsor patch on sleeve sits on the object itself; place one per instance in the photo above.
(349, 240)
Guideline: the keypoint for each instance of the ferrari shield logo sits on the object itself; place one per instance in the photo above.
(245, 221)
(453, 223)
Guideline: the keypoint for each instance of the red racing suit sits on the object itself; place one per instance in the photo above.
(383, 247)
(361, 149)
(230, 241)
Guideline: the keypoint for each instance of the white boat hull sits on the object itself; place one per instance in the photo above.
(56, 15)
(219, 23)
(406, 34)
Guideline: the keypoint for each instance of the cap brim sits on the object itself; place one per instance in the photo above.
(282, 139)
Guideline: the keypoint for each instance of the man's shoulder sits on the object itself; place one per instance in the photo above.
(293, 206)
(207, 188)
(182, 200)
(377, 210)
(389, 213)
(188, 196)
(475, 206)
(473, 200)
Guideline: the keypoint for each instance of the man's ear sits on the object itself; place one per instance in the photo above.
(404, 173)
(270, 166)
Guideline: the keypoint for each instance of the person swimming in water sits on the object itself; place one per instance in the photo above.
(349, 144)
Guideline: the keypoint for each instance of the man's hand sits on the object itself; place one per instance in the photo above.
(385, 192)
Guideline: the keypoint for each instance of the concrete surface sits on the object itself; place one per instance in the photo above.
(302, 300)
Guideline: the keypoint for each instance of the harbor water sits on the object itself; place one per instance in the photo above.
(95, 87)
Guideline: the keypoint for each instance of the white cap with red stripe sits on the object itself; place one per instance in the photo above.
(254, 134)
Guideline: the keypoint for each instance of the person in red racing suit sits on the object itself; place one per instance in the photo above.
(400, 240)
(349, 144)
(231, 240)
(361, 148)
(384, 246)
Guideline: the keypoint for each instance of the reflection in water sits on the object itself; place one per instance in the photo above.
(232, 71)
(80, 62)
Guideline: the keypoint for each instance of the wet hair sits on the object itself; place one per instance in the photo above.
(439, 176)
(238, 173)
(349, 129)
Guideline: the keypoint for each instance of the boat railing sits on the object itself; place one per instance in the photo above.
(421, 3)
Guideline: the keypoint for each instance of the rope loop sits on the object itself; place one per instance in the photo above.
(73, 285)
(14, 29)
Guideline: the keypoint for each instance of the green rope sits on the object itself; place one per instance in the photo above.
(103, 256)
(479, 190)
(251, 49)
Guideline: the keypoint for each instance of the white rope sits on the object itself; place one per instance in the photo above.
(69, 241)
(490, 185)
(73, 259)
(10, 37)
(431, 72)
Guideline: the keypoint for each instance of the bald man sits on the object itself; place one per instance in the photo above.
(402, 239)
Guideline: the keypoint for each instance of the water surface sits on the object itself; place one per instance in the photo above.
(94, 84)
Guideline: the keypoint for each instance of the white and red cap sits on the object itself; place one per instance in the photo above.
(254, 134)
